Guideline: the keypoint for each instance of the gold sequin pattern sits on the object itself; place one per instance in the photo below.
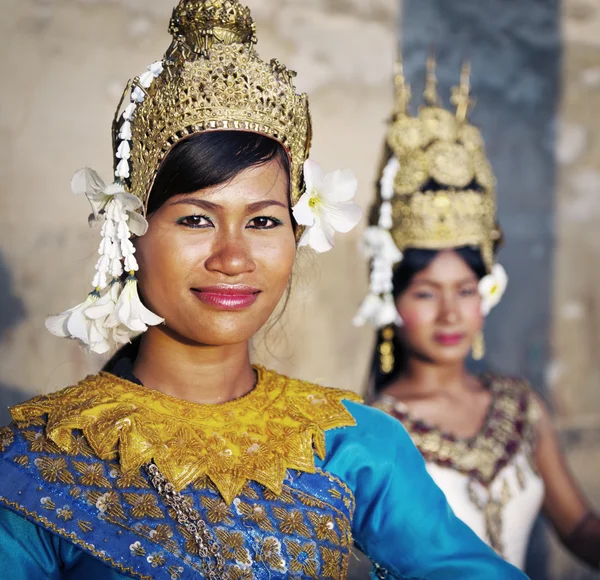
(280, 425)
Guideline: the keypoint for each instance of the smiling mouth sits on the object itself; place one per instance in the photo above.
(225, 297)
(449, 339)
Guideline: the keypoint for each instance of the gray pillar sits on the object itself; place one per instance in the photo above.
(515, 50)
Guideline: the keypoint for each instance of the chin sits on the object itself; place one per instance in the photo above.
(221, 329)
(450, 356)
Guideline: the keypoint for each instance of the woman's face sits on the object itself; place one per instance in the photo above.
(441, 310)
(215, 263)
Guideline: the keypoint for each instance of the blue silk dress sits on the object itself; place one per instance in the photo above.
(287, 479)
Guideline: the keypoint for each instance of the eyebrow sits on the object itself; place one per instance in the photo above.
(468, 280)
(209, 205)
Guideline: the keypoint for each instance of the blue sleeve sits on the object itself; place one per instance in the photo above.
(402, 521)
(29, 552)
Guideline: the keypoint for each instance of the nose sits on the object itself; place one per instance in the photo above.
(230, 255)
(449, 310)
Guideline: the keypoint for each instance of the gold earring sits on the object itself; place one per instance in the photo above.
(478, 346)
(386, 351)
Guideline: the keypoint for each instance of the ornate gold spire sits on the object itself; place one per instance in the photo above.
(461, 94)
(196, 25)
(431, 94)
(402, 89)
(213, 79)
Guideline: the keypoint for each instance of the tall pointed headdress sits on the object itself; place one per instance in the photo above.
(210, 79)
(437, 190)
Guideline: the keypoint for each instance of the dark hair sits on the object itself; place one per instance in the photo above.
(201, 161)
(413, 262)
(211, 158)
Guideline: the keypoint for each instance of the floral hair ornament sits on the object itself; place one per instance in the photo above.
(378, 246)
(113, 313)
(492, 288)
(326, 207)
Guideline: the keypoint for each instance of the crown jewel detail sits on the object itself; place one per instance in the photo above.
(213, 79)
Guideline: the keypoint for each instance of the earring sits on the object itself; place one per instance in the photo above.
(478, 346)
(386, 350)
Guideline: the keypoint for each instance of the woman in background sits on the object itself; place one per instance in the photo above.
(487, 440)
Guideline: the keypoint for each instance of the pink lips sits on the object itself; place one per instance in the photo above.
(449, 339)
(226, 297)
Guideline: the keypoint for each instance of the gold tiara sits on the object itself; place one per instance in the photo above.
(211, 78)
(444, 191)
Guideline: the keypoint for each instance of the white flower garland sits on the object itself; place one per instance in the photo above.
(113, 313)
(379, 308)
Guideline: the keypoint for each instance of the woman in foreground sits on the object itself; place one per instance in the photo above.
(183, 460)
(487, 440)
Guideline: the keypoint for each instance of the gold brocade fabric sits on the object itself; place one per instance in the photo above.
(509, 427)
(279, 425)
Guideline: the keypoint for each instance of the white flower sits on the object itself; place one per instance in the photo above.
(326, 207)
(386, 183)
(385, 216)
(129, 111)
(156, 68)
(137, 95)
(378, 311)
(124, 150)
(378, 242)
(125, 133)
(492, 288)
(368, 311)
(131, 312)
(87, 182)
(73, 323)
(122, 170)
(146, 79)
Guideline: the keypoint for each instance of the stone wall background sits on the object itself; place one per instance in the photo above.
(64, 65)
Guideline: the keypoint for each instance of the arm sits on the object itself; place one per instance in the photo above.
(564, 504)
(402, 520)
(29, 552)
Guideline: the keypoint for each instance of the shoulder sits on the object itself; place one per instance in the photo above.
(518, 392)
(321, 406)
(375, 432)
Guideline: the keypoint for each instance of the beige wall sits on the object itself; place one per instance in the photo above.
(67, 62)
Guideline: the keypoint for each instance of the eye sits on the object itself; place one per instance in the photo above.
(468, 291)
(195, 221)
(263, 223)
(423, 295)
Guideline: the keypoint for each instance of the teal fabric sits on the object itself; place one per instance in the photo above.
(29, 552)
(401, 519)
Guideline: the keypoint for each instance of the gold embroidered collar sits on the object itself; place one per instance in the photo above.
(509, 427)
(279, 425)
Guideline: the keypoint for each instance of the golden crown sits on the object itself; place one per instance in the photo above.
(444, 192)
(211, 78)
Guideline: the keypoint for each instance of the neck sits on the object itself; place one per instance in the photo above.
(431, 378)
(195, 373)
